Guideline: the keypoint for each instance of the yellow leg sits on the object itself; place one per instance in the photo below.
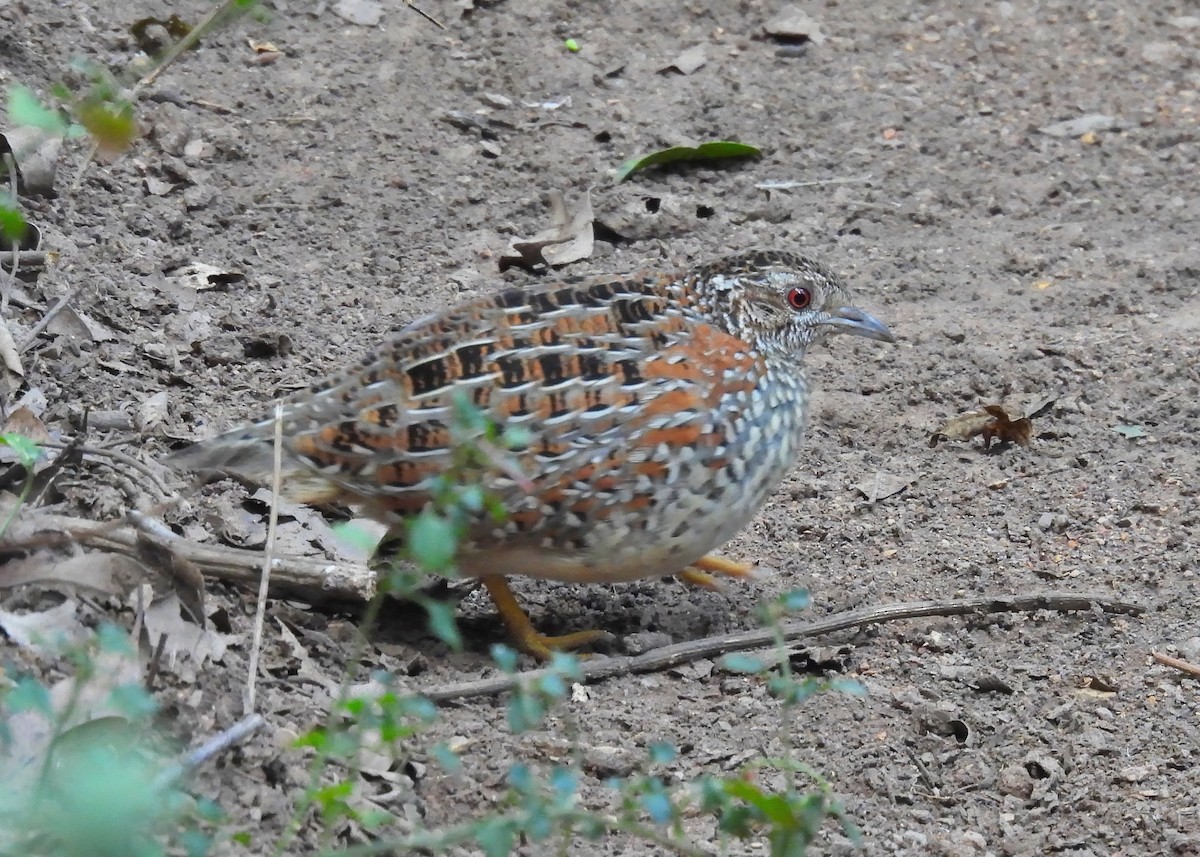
(697, 574)
(521, 631)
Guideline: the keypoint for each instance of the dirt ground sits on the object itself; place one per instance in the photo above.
(1016, 266)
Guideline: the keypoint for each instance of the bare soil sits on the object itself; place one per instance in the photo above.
(1016, 266)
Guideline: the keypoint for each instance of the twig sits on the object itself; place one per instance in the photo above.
(412, 5)
(822, 182)
(219, 743)
(45, 320)
(118, 457)
(313, 580)
(264, 580)
(23, 259)
(708, 647)
(1183, 666)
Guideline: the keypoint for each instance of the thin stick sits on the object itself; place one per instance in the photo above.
(264, 581)
(49, 317)
(820, 183)
(219, 743)
(116, 456)
(708, 647)
(412, 5)
(1183, 666)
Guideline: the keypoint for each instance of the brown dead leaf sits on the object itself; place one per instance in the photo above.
(24, 422)
(184, 575)
(569, 238)
(103, 573)
(992, 423)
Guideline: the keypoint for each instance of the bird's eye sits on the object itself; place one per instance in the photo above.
(799, 298)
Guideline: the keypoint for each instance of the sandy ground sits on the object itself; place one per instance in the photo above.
(1018, 267)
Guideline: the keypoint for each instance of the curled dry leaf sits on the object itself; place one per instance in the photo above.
(199, 276)
(569, 238)
(688, 61)
(794, 26)
(992, 423)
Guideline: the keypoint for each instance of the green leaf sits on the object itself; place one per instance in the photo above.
(111, 124)
(29, 695)
(1130, 432)
(662, 753)
(795, 601)
(112, 639)
(13, 225)
(447, 758)
(133, 702)
(24, 109)
(442, 624)
(848, 685)
(196, 843)
(564, 782)
(496, 836)
(720, 149)
(27, 451)
(742, 664)
(658, 806)
(356, 536)
(525, 712)
(432, 542)
(505, 658)
(553, 686)
(566, 664)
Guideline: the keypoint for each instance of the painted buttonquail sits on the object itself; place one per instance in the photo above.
(663, 409)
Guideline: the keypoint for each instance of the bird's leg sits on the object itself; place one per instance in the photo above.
(698, 573)
(521, 631)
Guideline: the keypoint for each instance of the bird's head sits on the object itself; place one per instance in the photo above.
(784, 302)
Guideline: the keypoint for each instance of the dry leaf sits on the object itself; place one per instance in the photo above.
(364, 13)
(992, 423)
(184, 575)
(9, 353)
(794, 26)
(199, 276)
(883, 485)
(153, 411)
(164, 619)
(104, 573)
(24, 422)
(688, 61)
(47, 631)
(569, 238)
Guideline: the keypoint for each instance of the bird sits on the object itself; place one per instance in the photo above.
(657, 413)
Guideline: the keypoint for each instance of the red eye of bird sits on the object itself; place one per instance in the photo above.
(799, 298)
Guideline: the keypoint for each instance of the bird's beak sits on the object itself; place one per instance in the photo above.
(848, 319)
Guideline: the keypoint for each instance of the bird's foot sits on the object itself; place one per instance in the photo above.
(524, 636)
(700, 573)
